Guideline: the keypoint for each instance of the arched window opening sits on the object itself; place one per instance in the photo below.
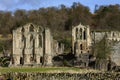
(31, 28)
(80, 33)
(40, 41)
(84, 35)
(22, 30)
(24, 41)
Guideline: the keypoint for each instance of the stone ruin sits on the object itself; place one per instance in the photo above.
(83, 41)
(34, 46)
(113, 39)
(81, 45)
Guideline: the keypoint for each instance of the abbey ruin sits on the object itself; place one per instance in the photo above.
(34, 45)
(83, 46)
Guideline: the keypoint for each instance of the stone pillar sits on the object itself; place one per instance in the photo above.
(28, 53)
(48, 48)
(73, 39)
(88, 36)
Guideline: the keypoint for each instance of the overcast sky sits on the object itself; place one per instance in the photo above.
(12, 5)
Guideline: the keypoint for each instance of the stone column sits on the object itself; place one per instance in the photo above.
(73, 39)
(88, 36)
(48, 48)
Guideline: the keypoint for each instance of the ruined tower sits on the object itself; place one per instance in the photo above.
(81, 43)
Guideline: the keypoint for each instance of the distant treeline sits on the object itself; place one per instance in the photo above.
(61, 19)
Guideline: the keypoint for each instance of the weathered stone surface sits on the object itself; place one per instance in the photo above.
(115, 56)
(33, 45)
(81, 39)
(81, 43)
(113, 38)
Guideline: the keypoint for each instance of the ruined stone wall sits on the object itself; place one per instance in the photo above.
(113, 38)
(81, 39)
(48, 48)
(111, 35)
(61, 76)
(81, 45)
(28, 45)
(115, 56)
(34, 45)
(58, 48)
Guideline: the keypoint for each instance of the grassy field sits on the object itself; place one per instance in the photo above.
(47, 70)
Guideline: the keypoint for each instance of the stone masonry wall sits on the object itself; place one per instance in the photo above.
(114, 38)
(115, 56)
(61, 76)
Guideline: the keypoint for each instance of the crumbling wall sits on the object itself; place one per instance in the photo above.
(115, 56)
(113, 38)
(81, 45)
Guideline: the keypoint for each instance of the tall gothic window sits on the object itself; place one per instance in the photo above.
(84, 34)
(76, 33)
(40, 40)
(80, 33)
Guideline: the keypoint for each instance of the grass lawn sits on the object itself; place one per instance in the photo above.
(46, 70)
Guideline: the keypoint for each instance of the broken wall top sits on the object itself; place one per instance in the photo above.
(29, 28)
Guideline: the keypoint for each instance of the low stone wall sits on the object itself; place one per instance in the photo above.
(60, 76)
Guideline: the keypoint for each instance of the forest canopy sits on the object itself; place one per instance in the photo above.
(62, 18)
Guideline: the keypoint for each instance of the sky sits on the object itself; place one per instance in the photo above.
(12, 5)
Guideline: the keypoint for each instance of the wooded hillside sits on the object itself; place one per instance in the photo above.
(61, 19)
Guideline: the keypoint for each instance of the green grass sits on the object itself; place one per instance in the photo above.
(44, 70)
